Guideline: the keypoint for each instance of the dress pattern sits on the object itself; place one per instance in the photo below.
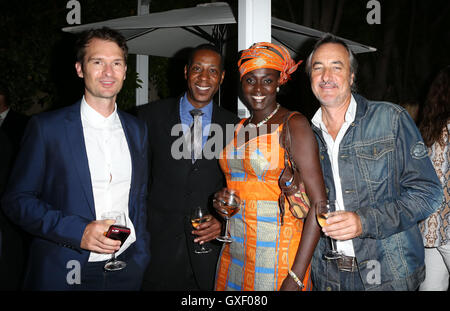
(263, 250)
(435, 229)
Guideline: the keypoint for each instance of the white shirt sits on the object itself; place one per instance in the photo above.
(3, 116)
(110, 167)
(346, 247)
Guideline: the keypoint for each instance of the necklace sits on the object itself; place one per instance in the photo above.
(265, 119)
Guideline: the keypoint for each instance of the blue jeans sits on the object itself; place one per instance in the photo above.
(351, 281)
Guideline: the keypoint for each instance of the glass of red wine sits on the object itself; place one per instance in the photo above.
(117, 231)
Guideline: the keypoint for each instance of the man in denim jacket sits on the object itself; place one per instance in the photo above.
(376, 167)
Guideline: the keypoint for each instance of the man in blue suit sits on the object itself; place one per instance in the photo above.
(75, 164)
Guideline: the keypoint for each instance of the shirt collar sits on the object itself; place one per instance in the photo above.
(4, 113)
(350, 115)
(94, 118)
(186, 106)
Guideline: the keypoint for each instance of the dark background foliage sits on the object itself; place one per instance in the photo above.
(37, 59)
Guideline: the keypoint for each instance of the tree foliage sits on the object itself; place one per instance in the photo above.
(37, 58)
(412, 40)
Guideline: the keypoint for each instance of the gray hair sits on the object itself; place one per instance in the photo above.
(330, 38)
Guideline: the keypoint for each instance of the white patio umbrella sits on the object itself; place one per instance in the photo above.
(166, 33)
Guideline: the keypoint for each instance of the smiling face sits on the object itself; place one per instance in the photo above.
(103, 71)
(259, 88)
(204, 76)
(331, 77)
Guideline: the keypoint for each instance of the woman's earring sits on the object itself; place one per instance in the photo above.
(278, 89)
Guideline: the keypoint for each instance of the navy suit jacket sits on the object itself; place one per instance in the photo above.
(50, 194)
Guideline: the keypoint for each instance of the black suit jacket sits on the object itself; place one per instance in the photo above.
(176, 187)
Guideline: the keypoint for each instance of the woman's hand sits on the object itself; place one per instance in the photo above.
(289, 284)
(219, 200)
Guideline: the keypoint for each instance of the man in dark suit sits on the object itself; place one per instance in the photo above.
(75, 164)
(180, 182)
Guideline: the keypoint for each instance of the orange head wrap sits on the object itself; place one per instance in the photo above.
(267, 55)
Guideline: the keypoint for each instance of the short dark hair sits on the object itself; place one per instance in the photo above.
(436, 111)
(205, 46)
(330, 38)
(104, 33)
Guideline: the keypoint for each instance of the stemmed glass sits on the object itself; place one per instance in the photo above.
(325, 210)
(200, 215)
(229, 205)
(120, 221)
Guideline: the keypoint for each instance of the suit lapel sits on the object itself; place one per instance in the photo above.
(173, 118)
(134, 155)
(214, 117)
(214, 120)
(77, 146)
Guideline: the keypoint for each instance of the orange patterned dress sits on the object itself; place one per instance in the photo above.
(263, 251)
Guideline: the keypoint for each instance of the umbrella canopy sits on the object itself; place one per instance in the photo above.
(294, 36)
(166, 33)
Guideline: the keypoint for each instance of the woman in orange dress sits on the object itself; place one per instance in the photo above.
(270, 250)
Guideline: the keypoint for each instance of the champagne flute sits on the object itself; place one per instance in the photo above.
(200, 215)
(120, 221)
(229, 205)
(325, 210)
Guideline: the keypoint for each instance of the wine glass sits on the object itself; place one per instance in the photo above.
(200, 215)
(229, 205)
(120, 221)
(325, 210)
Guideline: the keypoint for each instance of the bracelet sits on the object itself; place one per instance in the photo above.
(296, 279)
